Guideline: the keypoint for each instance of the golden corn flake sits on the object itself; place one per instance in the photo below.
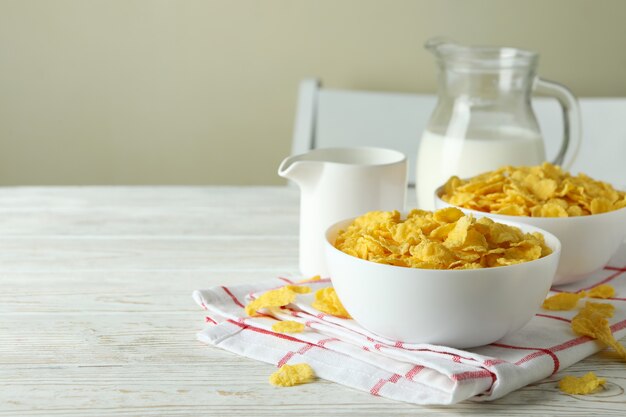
(591, 321)
(536, 191)
(299, 289)
(290, 375)
(448, 215)
(273, 298)
(327, 301)
(552, 210)
(568, 301)
(603, 309)
(444, 239)
(288, 326)
(600, 205)
(601, 291)
(562, 301)
(581, 386)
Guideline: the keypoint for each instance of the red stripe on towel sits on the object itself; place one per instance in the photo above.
(611, 277)
(232, 296)
(548, 316)
(376, 388)
(263, 331)
(414, 371)
(538, 353)
(287, 280)
(464, 376)
(285, 358)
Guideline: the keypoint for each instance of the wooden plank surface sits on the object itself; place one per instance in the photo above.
(96, 317)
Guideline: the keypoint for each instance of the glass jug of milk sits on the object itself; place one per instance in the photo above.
(484, 119)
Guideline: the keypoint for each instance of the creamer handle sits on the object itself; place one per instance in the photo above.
(572, 127)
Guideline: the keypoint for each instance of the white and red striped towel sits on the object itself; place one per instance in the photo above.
(341, 351)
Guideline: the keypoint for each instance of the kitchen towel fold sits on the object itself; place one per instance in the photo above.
(341, 351)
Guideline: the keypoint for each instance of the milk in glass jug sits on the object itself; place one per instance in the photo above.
(483, 119)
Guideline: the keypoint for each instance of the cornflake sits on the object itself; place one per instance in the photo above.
(273, 298)
(290, 375)
(603, 309)
(445, 239)
(536, 191)
(581, 386)
(299, 289)
(327, 301)
(288, 326)
(569, 301)
(563, 301)
(591, 321)
(601, 291)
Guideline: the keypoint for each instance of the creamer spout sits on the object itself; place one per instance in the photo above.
(299, 170)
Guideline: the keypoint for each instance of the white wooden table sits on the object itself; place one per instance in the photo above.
(96, 316)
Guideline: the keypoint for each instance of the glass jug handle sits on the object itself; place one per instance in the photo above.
(572, 130)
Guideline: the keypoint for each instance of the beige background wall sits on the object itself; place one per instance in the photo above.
(203, 92)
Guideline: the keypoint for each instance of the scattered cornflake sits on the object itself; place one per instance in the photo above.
(604, 309)
(586, 384)
(299, 289)
(288, 326)
(601, 291)
(290, 375)
(444, 239)
(563, 301)
(537, 191)
(273, 298)
(591, 321)
(327, 301)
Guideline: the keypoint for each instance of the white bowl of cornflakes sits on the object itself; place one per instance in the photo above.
(463, 307)
(588, 216)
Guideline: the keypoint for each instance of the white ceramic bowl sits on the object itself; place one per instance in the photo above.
(588, 241)
(458, 308)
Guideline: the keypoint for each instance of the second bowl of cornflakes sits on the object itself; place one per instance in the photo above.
(588, 216)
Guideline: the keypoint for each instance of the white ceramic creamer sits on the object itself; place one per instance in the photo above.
(338, 183)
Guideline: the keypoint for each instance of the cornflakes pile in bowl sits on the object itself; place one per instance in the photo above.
(442, 277)
(588, 216)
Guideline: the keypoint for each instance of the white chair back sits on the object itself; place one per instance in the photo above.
(333, 118)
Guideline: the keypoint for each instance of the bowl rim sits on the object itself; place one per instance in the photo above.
(556, 250)
(539, 219)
